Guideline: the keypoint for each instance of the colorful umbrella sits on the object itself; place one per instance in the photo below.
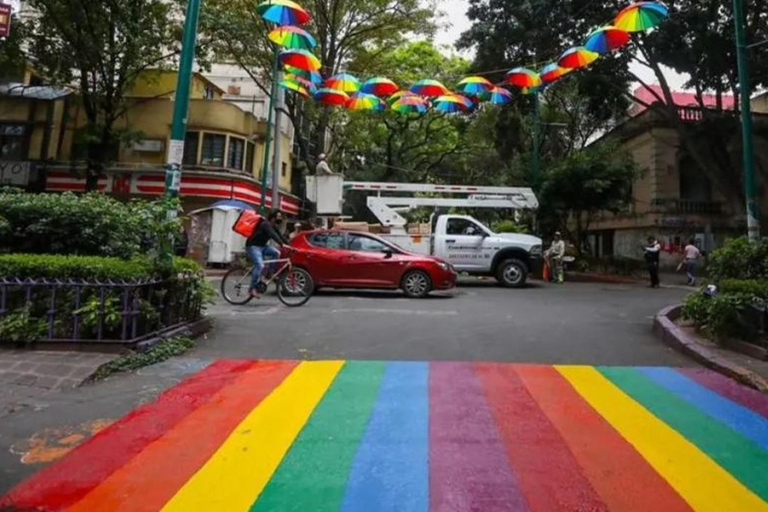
(283, 12)
(301, 59)
(552, 72)
(379, 86)
(307, 84)
(312, 76)
(429, 87)
(531, 90)
(296, 87)
(401, 94)
(475, 85)
(364, 101)
(450, 103)
(640, 16)
(343, 82)
(577, 57)
(523, 77)
(606, 39)
(498, 96)
(331, 97)
(291, 37)
(410, 105)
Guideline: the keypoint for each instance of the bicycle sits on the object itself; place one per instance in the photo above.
(294, 284)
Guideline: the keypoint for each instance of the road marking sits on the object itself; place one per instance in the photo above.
(407, 312)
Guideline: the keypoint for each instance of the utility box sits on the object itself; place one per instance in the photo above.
(327, 192)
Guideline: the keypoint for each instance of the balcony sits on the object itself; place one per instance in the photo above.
(686, 207)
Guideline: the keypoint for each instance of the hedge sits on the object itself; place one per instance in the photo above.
(54, 266)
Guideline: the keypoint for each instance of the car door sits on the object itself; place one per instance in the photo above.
(371, 262)
(464, 244)
(324, 256)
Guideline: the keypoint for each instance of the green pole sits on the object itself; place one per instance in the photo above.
(535, 171)
(175, 155)
(268, 138)
(750, 191)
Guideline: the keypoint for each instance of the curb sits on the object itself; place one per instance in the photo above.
(665, 328)
(584, 277)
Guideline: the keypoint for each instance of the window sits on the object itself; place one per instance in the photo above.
(208, 93)
(213, 149)
(464, 227)
(190, 148)
(328, 240)
(249, 158)
(367, 244)
(236, 149)
(13, 142)
(284, 170)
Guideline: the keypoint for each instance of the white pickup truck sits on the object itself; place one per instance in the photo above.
(473, 248)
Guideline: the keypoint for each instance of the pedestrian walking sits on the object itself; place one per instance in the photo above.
(652, 253)
(554, 256)
(692, 255)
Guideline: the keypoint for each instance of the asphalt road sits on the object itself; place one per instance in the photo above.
(576, 323)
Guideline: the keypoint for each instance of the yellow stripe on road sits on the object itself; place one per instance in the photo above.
(701, 482)
(236, 474)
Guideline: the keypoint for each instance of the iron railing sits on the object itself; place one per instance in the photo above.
(85, 311)
(687, 207)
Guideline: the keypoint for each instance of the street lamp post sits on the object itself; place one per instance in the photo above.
(268, 139)
(748, 155)
(535, 157)
(175, 155)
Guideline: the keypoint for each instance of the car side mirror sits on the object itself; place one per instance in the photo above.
(388, 254)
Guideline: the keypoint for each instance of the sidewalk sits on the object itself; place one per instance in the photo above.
(28, 375)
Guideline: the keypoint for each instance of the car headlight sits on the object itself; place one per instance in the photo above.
(443, 265)
(536, 250)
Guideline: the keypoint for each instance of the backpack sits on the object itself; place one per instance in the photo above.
(246, 223)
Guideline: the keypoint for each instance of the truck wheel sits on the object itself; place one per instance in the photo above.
(417, 284)
(512, 274)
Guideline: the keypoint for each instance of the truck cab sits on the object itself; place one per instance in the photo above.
(471, 247)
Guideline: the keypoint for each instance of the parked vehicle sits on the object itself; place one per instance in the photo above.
(348, 259)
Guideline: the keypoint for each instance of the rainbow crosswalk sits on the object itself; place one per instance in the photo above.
(269, 436)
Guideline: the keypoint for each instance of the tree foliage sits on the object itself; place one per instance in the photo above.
(99, 48)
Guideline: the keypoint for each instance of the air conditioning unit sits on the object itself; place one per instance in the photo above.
(233, 90)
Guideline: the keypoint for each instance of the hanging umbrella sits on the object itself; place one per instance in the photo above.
(429, 87)
(552, 72)
(291, 37)
(498, 96)
(401, 94)
(410, 105)
(294, 86)
(523, 77)
(331, 97)
(312, 76)
(364, 101)
(577, 57)
(307, 84)
(283, 12)
(301, 59)
(343, 82)
(449, 103)
(640, 16)
(475, 85)
(379, 86)
(606, 39)
(531, 90)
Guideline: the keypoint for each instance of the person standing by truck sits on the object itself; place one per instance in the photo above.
(554, 256)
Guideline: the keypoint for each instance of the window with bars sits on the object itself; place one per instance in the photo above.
(236, 153)
(190, 148)
(249, 155)
(213, 149)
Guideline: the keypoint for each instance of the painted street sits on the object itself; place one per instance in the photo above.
(285, 435)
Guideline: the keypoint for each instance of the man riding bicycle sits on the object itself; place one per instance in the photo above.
(258, 249)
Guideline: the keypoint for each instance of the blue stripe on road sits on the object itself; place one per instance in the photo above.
(747, 423)
(391, 469)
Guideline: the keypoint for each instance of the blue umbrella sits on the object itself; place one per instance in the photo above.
(232, 204)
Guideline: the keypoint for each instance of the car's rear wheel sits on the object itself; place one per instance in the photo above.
(417, 284)
(512, 273)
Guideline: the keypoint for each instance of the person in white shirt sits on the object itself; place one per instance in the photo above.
(652, 254)
(322, 168)
(554, 256)
(692, 255)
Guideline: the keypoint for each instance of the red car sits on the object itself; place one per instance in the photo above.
(347, 259)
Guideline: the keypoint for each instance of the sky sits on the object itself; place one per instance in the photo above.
(457, 22)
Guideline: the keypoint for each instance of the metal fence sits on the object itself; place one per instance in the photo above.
(92, 311)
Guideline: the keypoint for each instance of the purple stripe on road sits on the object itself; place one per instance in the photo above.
(730, 389)
(469, 469)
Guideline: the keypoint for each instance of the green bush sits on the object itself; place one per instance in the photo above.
(717, 316)
(87, 224)
(56, 266)
(508, 226)
(739, 259)
(751, 287)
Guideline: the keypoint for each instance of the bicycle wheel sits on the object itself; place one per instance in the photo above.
(295, 287)
(235, 286)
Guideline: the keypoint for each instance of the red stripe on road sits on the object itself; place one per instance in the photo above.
(158, 472)
(62, 484)
(730, 389)
(619, 474)
(550, 477)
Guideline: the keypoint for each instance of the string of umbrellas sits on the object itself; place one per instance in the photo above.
(303, 76)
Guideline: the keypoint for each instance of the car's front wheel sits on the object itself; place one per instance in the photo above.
(416, 284)
(512, 273)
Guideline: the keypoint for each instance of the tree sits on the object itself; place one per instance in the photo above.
(100, 48)
(583, 185)
(697, 40)
(13, 60)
